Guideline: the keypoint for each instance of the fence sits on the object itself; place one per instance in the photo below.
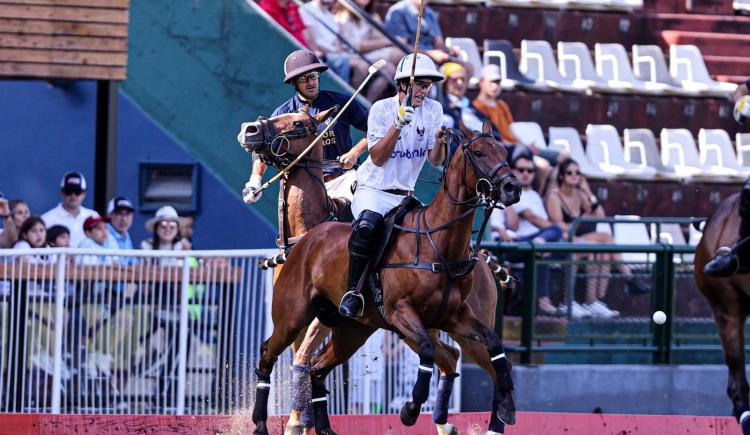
(158, 332)
(566, 272)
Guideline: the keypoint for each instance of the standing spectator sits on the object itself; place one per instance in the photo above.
(58, 236)
(324, 40)
(528, 221)
(13, 213)
(120, 215)
(33, 234)
(165, 226)
(370, 43)
(95, 228)
(70, 213)
(286, 13)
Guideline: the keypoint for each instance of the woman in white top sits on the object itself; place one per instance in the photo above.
(401, 134)
(165, 226)
(33, 234)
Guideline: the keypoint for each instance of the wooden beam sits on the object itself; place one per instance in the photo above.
(61, 28)
(22, 55)
(68, 72)
(65, 13)
(84, 43)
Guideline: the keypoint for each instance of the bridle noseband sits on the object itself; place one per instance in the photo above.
(267, 136)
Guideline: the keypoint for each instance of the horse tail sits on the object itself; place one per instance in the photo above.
(502, 274)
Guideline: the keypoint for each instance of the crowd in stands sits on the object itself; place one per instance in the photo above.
(70, 224)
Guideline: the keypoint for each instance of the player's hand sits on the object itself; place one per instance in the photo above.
(405, 115)
(252, 193)
(348, 160)
(441, 137)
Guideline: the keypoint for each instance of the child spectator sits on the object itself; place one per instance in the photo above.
(70, 213)
(95, 228)
(33, 234)
(58, 236)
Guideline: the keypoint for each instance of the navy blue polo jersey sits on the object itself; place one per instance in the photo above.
(337, 140)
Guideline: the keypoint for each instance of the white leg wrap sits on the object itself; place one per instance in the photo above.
(496, 357)
(319, 399)
(263, 385)
(744, 415)
(425, 368)
(446, 429)
(489, 432)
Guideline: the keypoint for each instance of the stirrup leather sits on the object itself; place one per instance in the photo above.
(359, 295)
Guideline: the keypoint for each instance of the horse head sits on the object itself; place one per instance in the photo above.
(280, 139)
(491, 177)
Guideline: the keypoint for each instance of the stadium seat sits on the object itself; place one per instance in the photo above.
(612, 64)
(687, 67)
(574, 60)
(500, 52)
(678, 151)
(650, 65)
(715, 148)
(470, 55)
(604, 148)
(636, 233)
(671, 234)
(567, 138)
(640, 148)
(742, 6)
(538, 63)
(743, 149)
(530, 133)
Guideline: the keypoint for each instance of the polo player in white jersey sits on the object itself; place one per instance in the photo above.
(401, 134)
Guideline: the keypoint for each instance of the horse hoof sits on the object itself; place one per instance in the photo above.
(446, 429)
(327, 431)
(296, 429)
(409, 413)
(506, 410)
(260, 428)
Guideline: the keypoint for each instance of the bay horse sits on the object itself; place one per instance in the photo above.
(313, 278)
(304, 203)
(729, 299)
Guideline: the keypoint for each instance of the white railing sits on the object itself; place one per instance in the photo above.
(163, 332)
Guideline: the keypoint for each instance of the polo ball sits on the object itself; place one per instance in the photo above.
(659, 317)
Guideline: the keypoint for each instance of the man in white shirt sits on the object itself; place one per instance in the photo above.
(70, 213)
(400, 136)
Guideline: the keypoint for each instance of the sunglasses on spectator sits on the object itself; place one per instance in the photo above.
(527, 170)
(75, 192)
(168, 225)
(457, 79)
(308, 77)
(572, 173)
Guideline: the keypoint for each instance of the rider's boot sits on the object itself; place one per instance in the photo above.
(364, 231)
(729, 261)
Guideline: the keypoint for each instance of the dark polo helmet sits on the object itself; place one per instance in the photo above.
(300, 62)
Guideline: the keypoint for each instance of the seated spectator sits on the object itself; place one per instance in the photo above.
(70, 213)
(370, 43)
(324, 41)
(120, 215)
(456, 107)
(286, 13)
(13, 213)
(58, 236)
(569, 201)
(95, 228)
(33, 234)
(165, 226)
(527, 220)
(186, 230)
(401, 21)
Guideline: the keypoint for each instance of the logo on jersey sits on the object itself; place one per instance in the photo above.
(409, 154)
(420, 133)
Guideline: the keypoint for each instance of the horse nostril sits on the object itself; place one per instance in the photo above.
(509, 188)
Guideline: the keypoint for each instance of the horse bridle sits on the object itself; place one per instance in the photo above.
(278, 142)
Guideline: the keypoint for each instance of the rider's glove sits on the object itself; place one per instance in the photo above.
(252, 193)
(405, 115)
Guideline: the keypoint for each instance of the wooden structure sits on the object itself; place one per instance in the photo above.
(64, 39)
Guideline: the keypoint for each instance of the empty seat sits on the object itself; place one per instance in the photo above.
(635, 233)
(641, 149)
(671, 234)
(717, 153)
(538, 63)
(650, 65)
(742, 6)
(613, 65)
(678, 152)
(575, 63)
(529, 133)
(470, 55)
(567, 138)
(743, 149)
(687, 67)
(604, 148)
(500, 52)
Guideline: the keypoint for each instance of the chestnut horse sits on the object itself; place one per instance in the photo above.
(305, 204)
(729, 299)
(313, 279)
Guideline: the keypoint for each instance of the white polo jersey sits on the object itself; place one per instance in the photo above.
(60, 216)
(401, 170)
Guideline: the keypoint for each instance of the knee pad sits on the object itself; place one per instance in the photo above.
(364, 231)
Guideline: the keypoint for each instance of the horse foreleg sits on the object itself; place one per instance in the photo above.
(345, 340)
(464, 324)
(730, 318)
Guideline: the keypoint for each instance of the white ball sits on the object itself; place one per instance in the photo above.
(659, 317)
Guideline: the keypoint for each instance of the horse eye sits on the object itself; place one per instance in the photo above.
(298, 123)
(478, 153)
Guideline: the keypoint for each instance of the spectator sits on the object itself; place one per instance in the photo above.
(495, 109)
(401, 21)
(456, 107)
(13, 213)
(186, 230)
(569, 201)
(528, 221)
(165, 226)
(33, 234)
(120, 215)
(324, 41)
(286, 13)
(370, 43)
(95, 228)
(70, 213)
(58, 236)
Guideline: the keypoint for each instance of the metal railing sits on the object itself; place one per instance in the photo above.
(161, 332)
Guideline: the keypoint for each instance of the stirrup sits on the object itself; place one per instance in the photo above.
(359, 295)
(723, 251)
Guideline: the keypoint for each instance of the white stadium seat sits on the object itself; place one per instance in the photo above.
(640, 148)
(500, 52)
(567, 138)
(538, 62)
(687, 67)
(650, 65)
(678, 152)
(635, 233)
(470, 55)
(575, 63)
(717, 153)
(604, 148)
(743, 149)
(612, 64)
(529, 133)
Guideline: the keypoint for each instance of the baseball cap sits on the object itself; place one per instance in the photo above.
(491, 73)
(119, 203)
(73, 181)
(93, 221)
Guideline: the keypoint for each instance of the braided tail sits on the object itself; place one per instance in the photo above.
(502, 274)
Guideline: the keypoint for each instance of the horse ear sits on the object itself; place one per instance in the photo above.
(322, 116)
(487, 127)
(466, 131)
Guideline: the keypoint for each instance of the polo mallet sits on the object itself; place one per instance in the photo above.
(374, 68)
(407, 100)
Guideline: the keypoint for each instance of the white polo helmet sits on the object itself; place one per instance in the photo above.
(425, 68)
(742, 109)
